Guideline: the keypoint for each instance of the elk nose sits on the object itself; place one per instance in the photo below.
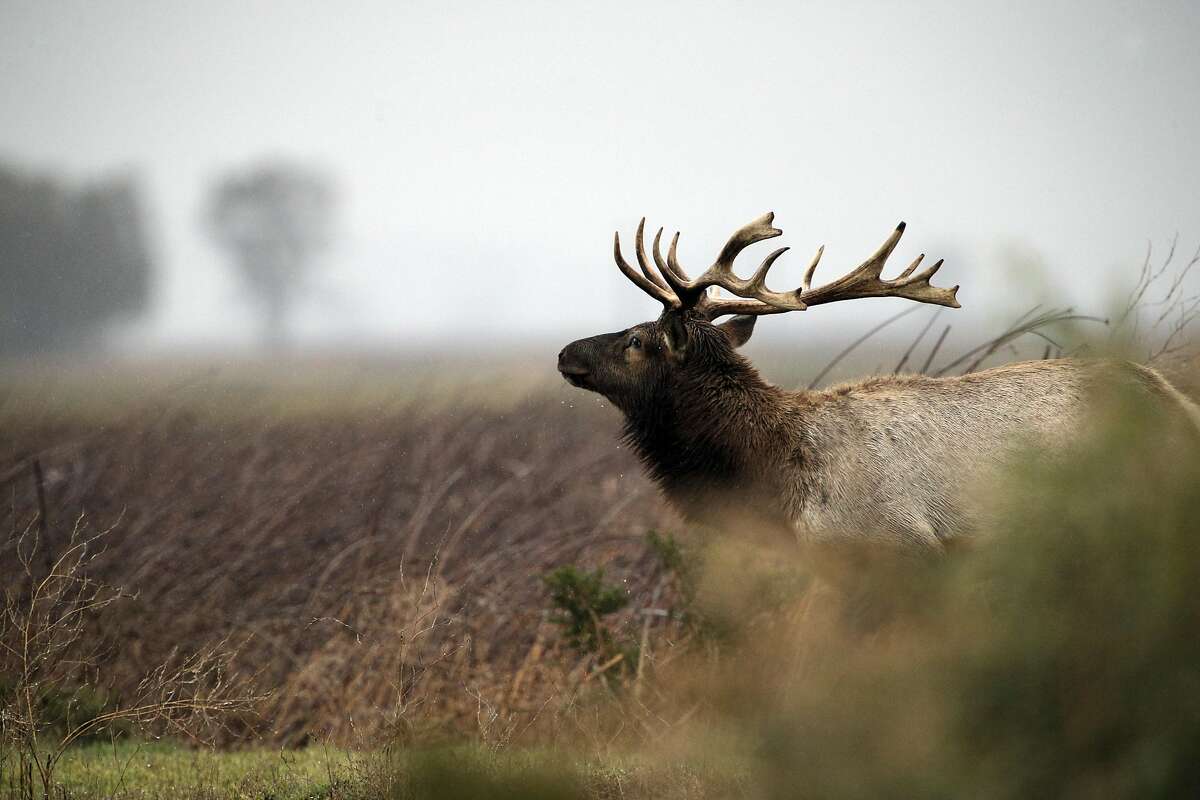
(567, 366)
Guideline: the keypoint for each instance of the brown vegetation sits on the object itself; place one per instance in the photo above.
(379, 571)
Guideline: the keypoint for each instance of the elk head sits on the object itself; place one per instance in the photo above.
(634, 366)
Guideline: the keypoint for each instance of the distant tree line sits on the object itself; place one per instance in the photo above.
(72, 260)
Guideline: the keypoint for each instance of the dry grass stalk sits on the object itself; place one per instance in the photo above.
(49, 657)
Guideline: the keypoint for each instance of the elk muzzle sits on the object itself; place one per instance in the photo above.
(579, 361)
(572, 367)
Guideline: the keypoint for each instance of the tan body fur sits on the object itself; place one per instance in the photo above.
(899, 459)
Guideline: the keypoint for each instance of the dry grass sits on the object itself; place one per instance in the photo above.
(49, 661)
(380, 568)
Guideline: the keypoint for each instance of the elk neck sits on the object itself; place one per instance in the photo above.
(713, 433)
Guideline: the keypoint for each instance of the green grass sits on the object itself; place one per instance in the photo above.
(163, 770)
(154, 770)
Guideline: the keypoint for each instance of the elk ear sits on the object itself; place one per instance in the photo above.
(738, 329)
(675, 333)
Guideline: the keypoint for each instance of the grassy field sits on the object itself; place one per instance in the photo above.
(154, 770)
(370, 557)
(150, 770)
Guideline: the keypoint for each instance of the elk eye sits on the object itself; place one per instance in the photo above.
(635, 342)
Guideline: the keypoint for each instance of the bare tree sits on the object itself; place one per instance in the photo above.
(274, 220)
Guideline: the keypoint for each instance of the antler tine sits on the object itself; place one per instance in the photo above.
(659, 293)
(686, 284)
(643, 263)
(743, 237)
(757, 282)
(909, 269)
(874, 264)
(865, 281)
(754, 290)
(678, 284)
(722, 269)
(806, 284)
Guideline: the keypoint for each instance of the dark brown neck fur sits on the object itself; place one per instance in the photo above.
(707, 437)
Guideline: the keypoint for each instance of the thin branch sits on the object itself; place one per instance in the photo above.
(917, 341)
(933, 353)
(992, 345)
(855, 344)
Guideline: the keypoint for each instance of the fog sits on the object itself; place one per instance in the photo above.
(482, 154)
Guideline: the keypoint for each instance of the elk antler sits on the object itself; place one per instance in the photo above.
(675, 290)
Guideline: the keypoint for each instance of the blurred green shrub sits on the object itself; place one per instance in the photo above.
(1082, 673)
(681, 565)
(463, 773)
(583, 603)
(1059, 659)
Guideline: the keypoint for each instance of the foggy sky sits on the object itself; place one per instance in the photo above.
(485, 152)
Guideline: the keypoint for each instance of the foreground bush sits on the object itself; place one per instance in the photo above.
(1059, 659)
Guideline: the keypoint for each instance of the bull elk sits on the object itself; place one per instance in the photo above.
(887, 458)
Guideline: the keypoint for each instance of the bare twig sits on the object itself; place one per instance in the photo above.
(933, 353)
(856, 343)
(1015, 331)
(42, 634)
(917, 341)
